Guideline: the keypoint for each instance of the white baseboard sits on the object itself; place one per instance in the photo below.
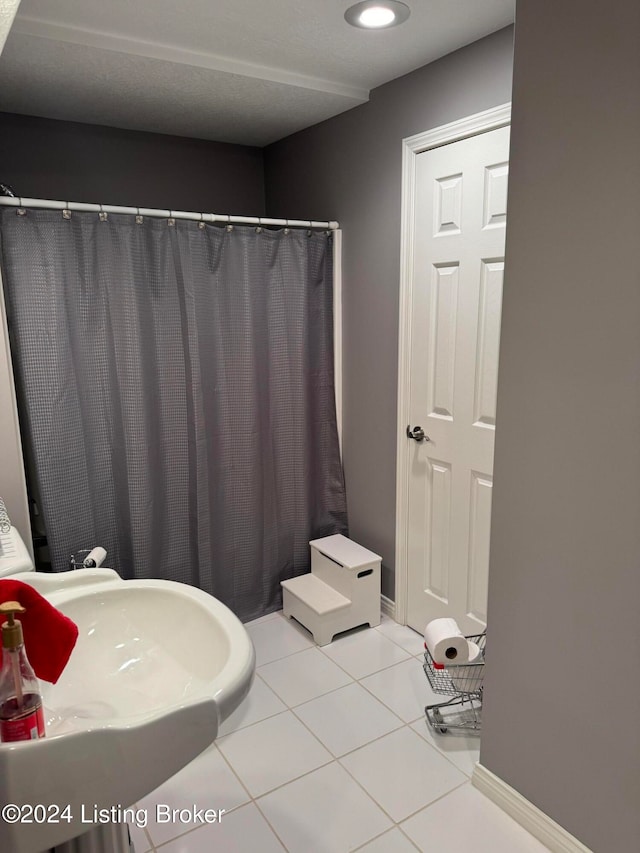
(388, 607)
(546, 830)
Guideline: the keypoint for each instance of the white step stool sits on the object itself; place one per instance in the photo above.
(342, 591)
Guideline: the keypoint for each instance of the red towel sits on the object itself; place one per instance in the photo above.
(49, 636)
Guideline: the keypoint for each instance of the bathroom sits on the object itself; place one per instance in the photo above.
(564, 537)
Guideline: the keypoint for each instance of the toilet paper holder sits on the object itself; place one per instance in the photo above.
(87, 558)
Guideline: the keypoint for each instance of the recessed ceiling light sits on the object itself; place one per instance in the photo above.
(377, 14)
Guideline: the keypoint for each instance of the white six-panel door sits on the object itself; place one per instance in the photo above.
(459, 237)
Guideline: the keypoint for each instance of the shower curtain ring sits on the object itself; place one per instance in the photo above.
(229, 225)
(287, 230)
(201, 223)
(20, 211)
(139, 217)
(66, 213)
(171, 220)
(259, 227)
(102, 216)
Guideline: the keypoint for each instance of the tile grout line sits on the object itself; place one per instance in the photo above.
(397, 823)
(320, 695)
(333, 690)
(356, 748)
(178, 837)
(408, 723)
(411, 723)
(440, 751)
(231, 767)
(353, 678)
(410, 840)
(371, 797)
(296, 778)
(337, 759)
(367, 674)
(313, 698)
(352, 632)
(255, 722)
(334, 759)
(268, 822)
(382, 834)
(433, 802)
(293, 655)
(384, 634)
(151, 848)
(156, 847)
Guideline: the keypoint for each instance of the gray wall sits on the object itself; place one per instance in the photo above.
(349, 168)
(562, 698)
(44, 158)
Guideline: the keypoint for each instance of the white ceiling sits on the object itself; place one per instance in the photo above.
(242, 71)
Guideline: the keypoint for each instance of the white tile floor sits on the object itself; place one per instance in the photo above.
(330, 753)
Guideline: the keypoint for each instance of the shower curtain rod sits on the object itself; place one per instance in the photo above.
(48, 204)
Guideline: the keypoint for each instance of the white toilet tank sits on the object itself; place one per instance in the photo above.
(14, 557)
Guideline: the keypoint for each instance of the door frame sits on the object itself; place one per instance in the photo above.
(412, 146)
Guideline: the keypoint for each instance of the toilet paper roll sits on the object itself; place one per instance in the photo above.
(94, 558)
(445, 642)
(474, 652)
(466, 678)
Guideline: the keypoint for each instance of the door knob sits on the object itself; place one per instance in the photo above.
(417, 434)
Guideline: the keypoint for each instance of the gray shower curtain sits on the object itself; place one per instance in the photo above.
(176, 392)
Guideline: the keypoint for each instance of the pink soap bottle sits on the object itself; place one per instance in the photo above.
(21, 712)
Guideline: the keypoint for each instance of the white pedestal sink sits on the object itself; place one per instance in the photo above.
(157, 667)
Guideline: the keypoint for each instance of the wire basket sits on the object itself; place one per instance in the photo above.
(462, 714)
(453, 680)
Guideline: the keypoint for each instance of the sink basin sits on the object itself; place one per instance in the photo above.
(157, 667)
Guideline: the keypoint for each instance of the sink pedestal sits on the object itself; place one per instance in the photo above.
(112, 838)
